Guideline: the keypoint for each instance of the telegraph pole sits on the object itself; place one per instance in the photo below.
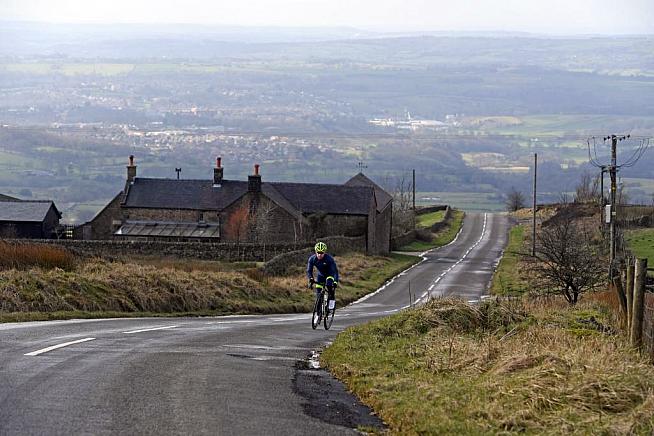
(533, 226)
(613, 170)
(602, 210)
(414, 189)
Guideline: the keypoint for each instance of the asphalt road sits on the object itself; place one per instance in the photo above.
(223, 375)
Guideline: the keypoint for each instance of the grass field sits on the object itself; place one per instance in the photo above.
(466, 201)
(497, 368)
(641, 242)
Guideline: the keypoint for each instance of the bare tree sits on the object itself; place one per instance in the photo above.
(264, 222)
(238, 223)
(568, 260)
(403, 214)
(588, 189)
(514, 200)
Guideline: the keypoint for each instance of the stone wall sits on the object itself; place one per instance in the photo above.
(336, 245)
(430, 209)
(186, 250)
(402, 240)
(437, 227)
(648, 325)
(412, 235)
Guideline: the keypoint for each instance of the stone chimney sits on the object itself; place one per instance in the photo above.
(218, 173)
(254, 181)
(131, 170)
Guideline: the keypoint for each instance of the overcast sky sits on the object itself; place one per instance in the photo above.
(538, 16)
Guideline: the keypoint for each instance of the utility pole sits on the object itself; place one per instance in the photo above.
(602, 219)
(533, 226)
(414, 189)
(613, 170)
(178, 170)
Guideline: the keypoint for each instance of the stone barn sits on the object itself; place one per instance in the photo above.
(28, 219)
(257, 211)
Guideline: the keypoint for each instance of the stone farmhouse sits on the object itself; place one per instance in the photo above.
(37, 219)
(253, 211)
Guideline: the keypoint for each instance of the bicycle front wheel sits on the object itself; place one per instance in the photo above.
(317, 312)
(329, 316)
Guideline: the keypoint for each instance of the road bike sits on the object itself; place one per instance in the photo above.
(321, 310)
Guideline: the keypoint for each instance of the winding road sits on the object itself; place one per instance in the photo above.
(221, 376)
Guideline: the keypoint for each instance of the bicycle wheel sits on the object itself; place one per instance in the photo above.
(329, 314)
(317, 312)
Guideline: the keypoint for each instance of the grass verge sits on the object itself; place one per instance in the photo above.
(507, 279)
(441, 238)
(98, 288)
(429, 219)
(452, 368)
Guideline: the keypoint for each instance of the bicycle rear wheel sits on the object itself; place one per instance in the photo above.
(317, 312)
(329, 315)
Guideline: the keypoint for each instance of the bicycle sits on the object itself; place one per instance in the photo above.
(320, 307)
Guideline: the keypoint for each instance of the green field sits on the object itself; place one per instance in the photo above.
(466, 201)
(641, 242)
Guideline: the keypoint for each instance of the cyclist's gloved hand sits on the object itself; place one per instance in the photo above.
(311, 282)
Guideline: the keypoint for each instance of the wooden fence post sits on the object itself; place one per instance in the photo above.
(629, 290)
(640, 280)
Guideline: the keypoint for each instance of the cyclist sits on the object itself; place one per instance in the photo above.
(327, 272)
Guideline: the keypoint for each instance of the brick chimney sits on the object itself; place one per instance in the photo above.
(254, 181)
(218, 173)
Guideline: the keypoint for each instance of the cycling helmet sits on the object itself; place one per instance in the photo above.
(321, 247)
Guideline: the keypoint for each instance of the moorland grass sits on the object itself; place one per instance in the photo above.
(98, 288)
(498, 368)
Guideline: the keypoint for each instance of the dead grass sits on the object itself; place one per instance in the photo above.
(535, 367)
(25, 255)
(164, 287)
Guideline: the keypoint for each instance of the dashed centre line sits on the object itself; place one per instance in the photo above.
(55, 347)
(444, 273)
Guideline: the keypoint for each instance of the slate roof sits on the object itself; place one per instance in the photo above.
(383, 197)
(25, 211)
(183, 194)
(333, 199)
(7, 198)
(296, 198)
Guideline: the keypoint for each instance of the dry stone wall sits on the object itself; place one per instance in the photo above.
(186, 250)
(337, 245)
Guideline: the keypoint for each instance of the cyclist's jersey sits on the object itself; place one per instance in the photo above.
(326, 268)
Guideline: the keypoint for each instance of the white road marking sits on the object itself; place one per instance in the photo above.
(388, 283)
(54, 347)
(438, 279)
(150, 330)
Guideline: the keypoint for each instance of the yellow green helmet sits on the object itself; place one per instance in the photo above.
(320, 247)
